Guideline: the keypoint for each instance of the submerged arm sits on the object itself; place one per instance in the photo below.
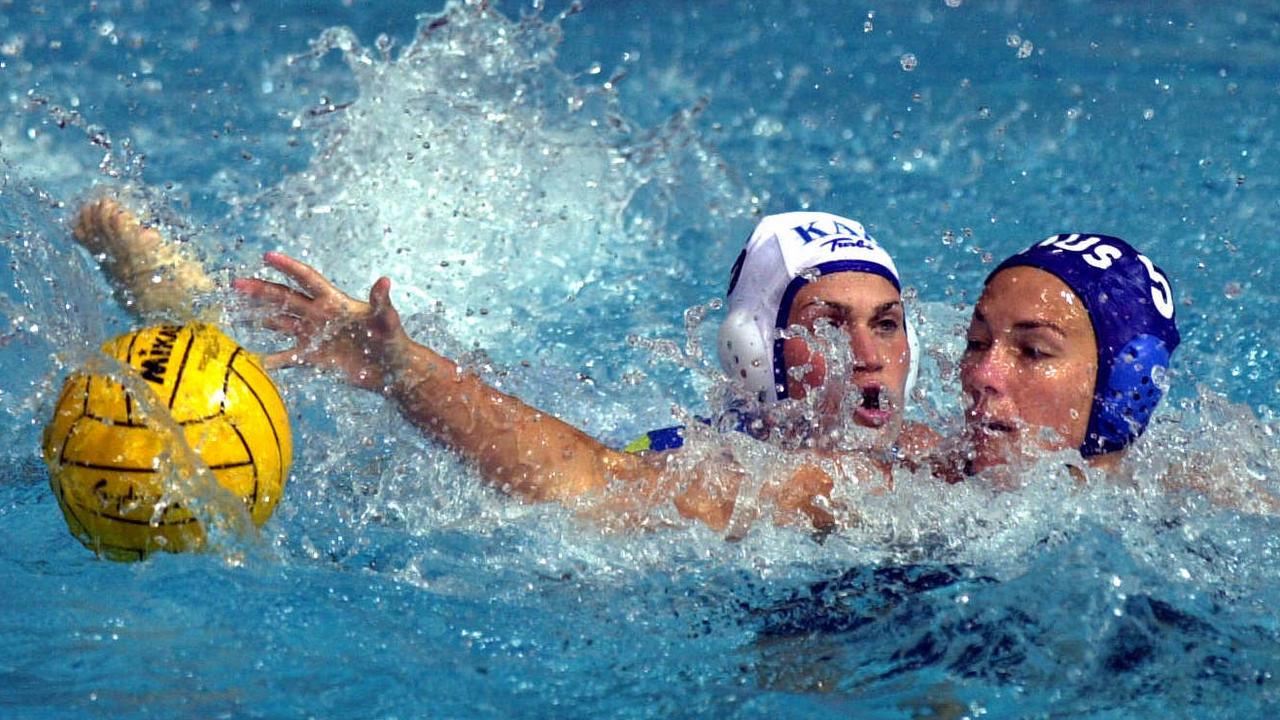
(152, 275)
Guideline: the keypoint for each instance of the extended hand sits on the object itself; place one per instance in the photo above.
(332, 329)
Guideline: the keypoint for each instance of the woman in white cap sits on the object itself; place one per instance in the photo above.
(799, 274)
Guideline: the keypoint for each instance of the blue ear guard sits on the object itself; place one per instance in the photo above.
(1124, 406)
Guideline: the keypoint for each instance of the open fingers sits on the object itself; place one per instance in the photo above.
(275, 296)
(307, 277)
(288, 325)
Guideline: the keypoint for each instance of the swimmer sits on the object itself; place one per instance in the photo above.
(801, 271)
(1067, 348)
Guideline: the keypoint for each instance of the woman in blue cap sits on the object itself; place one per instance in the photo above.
(1067, 348)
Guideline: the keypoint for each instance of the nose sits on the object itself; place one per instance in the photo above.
(986, 373)
(867, 353)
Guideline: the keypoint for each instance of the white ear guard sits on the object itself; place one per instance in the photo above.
(784, 253)
(746, 353)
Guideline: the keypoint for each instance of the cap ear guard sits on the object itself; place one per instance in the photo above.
(1125, 405)
(745, 353)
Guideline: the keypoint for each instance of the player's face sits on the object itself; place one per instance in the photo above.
(868, 309)
(1029, 368)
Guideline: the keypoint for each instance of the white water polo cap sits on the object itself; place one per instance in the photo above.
(785, 253)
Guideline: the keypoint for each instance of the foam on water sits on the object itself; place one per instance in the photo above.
(474, 173)
(539, 231)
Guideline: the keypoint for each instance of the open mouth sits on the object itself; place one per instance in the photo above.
(871, 397)
(982, 422)
(997, 426)
(874, 410)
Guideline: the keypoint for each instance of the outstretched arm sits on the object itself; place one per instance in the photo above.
(518, 448)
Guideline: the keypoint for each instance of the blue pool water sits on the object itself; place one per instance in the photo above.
(550, 195)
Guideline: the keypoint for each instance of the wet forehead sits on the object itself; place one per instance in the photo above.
(1026, 296)
(857, 291)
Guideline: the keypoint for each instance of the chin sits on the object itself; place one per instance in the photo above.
(988, 453)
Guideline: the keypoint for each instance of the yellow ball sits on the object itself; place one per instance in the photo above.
(121, 465)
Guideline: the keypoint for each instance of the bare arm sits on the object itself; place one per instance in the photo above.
(518, 448)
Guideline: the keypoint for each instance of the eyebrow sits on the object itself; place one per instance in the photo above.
(1039, 325)
(886, 307)
(1026, 324)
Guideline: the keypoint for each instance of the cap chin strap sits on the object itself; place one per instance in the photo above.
(913, 358)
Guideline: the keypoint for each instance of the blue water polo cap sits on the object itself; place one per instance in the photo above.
(1130, 305)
